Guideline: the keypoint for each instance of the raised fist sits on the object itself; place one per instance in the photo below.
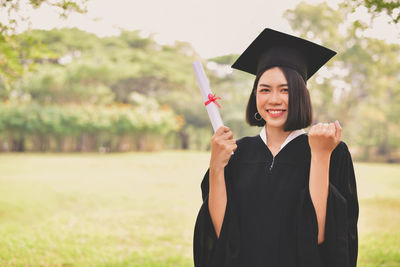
(324, 137)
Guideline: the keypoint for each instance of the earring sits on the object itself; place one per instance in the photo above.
(255, 116)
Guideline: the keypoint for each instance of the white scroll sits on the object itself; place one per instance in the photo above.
(208, 98)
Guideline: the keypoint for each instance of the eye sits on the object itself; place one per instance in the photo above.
(286, 90)
(264, 90)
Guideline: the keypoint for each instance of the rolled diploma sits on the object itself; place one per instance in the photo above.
(212, 108)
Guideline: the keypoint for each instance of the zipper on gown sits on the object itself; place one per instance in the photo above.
(272, 164)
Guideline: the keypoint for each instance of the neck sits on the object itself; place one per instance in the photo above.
(275, 136)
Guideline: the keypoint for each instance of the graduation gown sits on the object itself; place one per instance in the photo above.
(270, 219)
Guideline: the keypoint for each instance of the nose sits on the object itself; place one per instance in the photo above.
(275, 98)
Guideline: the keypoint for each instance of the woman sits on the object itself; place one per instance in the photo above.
(284, 198)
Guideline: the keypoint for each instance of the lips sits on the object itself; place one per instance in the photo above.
(274, 113)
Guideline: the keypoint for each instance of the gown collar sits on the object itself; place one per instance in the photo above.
(290, 137)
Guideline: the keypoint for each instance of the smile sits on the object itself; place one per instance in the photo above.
(275, 112)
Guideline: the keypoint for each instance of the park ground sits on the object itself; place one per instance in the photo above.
(139, 209)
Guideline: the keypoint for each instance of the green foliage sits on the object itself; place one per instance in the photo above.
(16, 55)
(80, 68)
(376, 7)
(359, 86)
(44, 123)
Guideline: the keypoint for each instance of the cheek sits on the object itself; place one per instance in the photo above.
(260, 99)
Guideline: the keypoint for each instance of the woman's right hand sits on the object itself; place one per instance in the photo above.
(222, 146)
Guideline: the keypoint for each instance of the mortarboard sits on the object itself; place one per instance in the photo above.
(272, 48)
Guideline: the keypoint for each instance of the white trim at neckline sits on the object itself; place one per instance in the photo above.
(290, 137)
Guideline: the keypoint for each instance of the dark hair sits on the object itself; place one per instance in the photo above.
(299, 110)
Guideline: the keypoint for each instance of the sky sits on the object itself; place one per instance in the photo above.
(213, 27)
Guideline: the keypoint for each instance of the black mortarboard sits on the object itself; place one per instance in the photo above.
(272, 48)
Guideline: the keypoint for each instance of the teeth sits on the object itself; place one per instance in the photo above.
(275, 111)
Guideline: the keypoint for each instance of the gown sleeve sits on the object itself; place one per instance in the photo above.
(208, 250)
(340, 245)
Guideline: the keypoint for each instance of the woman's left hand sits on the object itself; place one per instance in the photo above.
(324, 137)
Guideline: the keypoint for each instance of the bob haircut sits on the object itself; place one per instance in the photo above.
(299, 106)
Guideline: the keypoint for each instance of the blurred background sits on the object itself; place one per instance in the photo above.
(104, 138)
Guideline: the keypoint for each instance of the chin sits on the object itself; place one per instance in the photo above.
(281, 127)
(275, 124)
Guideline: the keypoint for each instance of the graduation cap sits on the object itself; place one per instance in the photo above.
(272, 48)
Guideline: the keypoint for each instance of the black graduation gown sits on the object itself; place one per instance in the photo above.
(270, 219)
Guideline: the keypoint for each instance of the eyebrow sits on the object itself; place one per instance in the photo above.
(266, 85)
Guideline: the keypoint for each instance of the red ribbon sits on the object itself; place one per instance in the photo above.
(212, 98)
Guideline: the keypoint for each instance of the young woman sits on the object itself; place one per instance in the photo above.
(284, 198)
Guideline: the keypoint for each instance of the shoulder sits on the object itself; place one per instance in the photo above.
(247, 141)
(341, 149)
(247, 145)
(341, 155)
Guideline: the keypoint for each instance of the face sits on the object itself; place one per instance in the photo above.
(272, 98)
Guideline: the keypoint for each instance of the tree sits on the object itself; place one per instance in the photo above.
(81, 68)
(359, 86)
(376, 7)
(16, 57)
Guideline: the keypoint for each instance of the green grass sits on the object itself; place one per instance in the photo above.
(139, 209)
(379, 224)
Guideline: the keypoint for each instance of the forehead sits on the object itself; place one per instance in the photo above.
(272, 76)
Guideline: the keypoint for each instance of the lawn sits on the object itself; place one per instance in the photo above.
(139, 209)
